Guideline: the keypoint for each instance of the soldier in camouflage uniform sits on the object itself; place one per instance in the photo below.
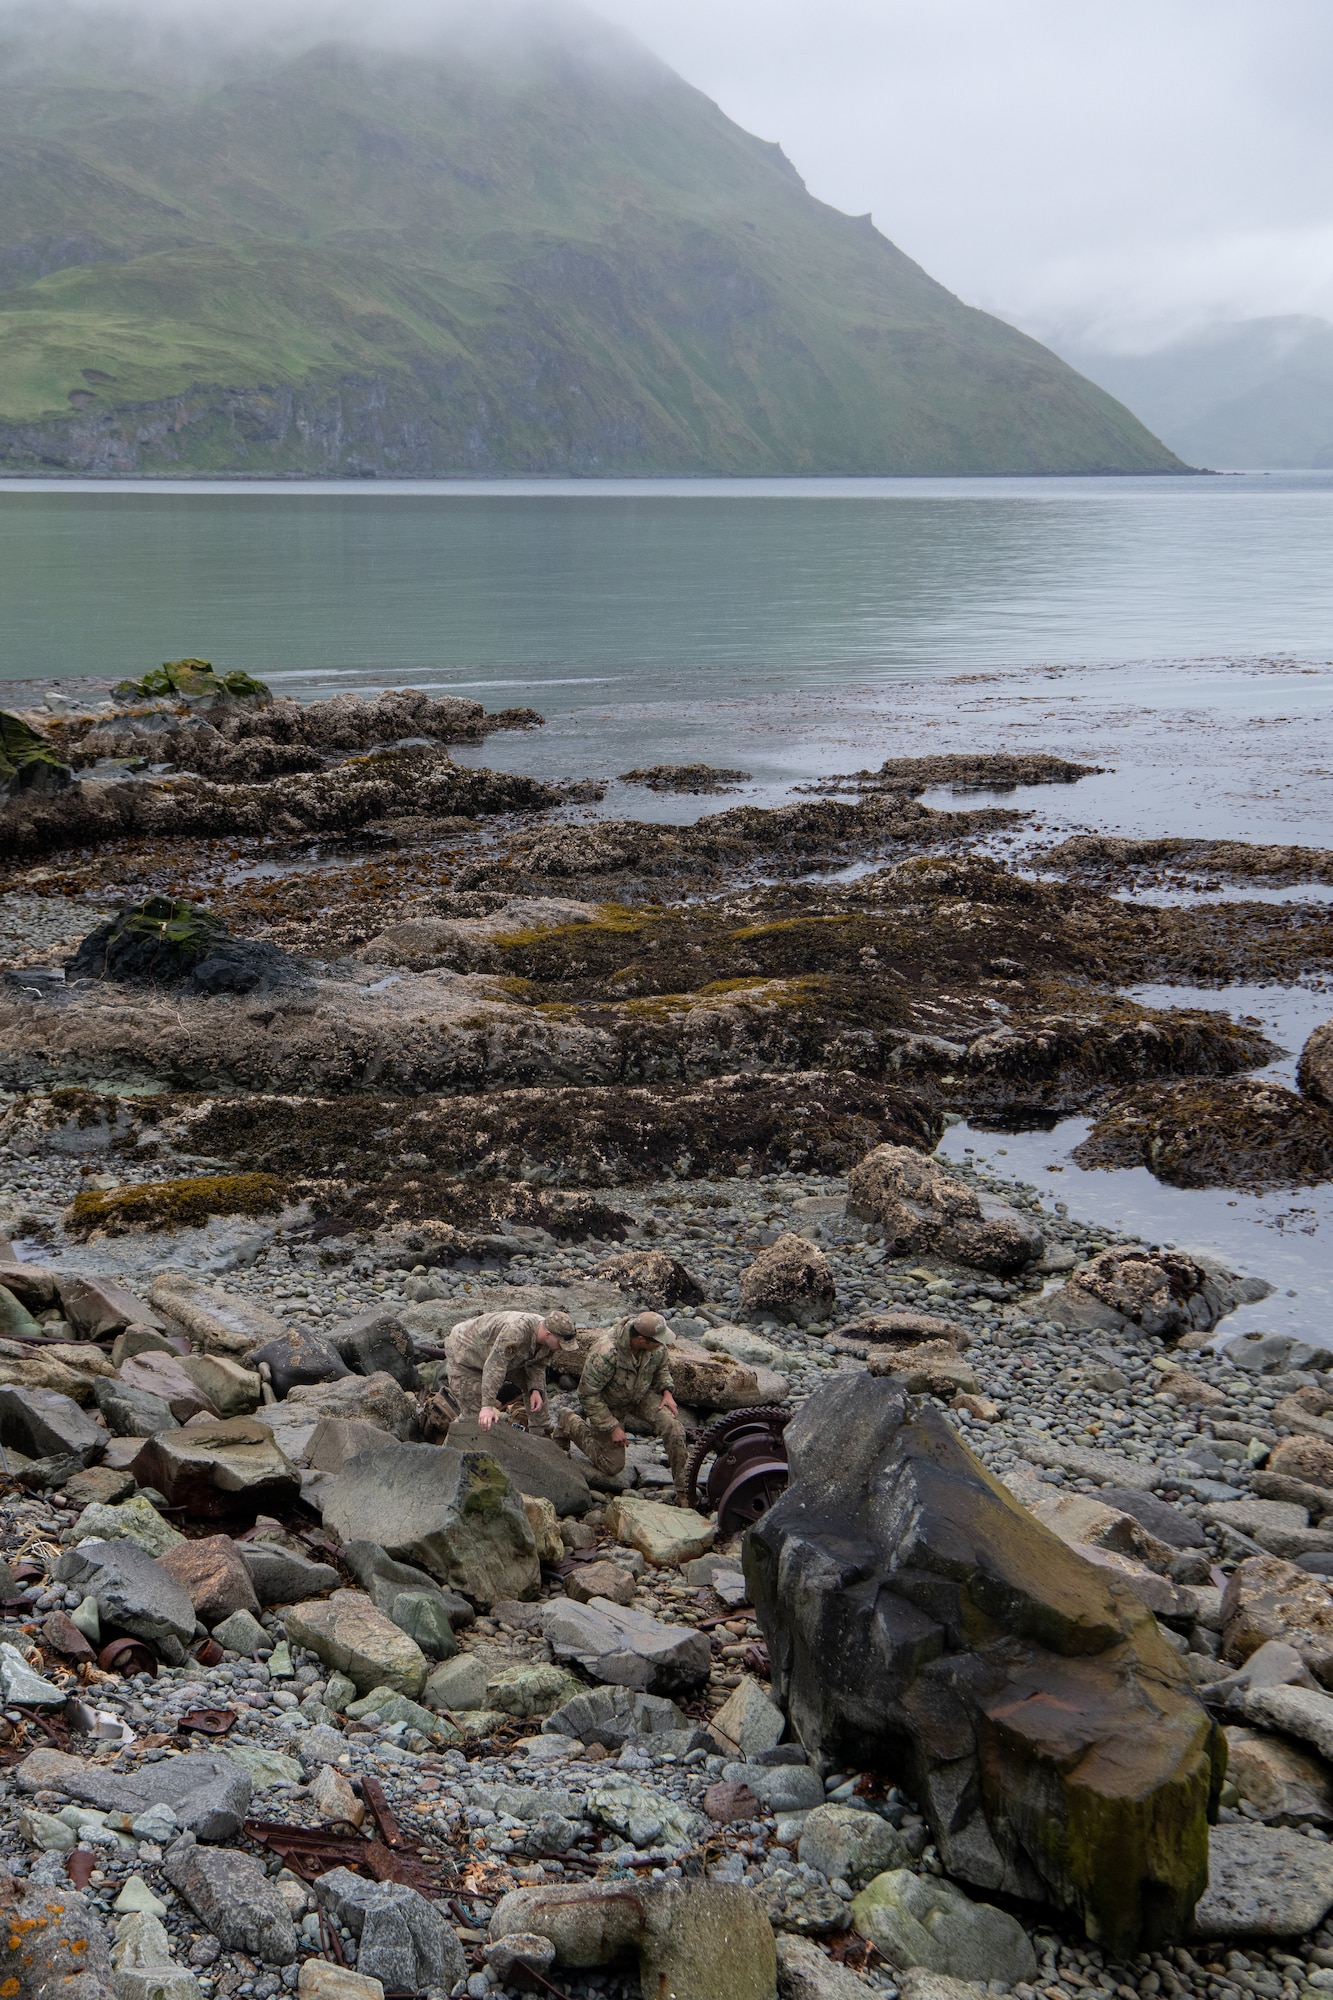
(627, 1377)
(497, 1356)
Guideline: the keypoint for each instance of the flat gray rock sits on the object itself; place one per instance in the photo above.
(132, 1589)
(1170, 1524)
(1264, 1881)
(615, 1716)
(209, 1794)
(45, 1424)
(626, 1647)
(280, 1576)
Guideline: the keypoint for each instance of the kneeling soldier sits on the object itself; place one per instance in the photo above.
(629, 1377)
(501, 1355)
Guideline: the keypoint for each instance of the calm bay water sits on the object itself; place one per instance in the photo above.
(659, 591)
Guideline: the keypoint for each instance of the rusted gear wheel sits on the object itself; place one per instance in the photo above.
(749, 1468)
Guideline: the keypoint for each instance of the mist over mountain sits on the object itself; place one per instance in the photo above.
(1250, 394)
(515, 244)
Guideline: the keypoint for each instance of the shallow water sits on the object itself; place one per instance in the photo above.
(1283, 1236)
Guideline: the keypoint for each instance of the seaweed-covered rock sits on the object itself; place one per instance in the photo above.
(603, 1135)
(922, 1207)
(685, 777)
(162, 942)
(791, 1280)
(1241, 1132)
(1163, 1291)
(1314, 1072)
(174, 1204)
(196, 680)
(919, 1618)
(652, 1278)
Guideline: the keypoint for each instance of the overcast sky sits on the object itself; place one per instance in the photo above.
(1122, 168)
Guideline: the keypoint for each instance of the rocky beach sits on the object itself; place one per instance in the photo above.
(994, 1650)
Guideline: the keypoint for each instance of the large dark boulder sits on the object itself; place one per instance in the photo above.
(919, 1619)
(161, 942)
(374, 1343)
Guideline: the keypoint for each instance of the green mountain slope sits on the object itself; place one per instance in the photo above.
(425, 263)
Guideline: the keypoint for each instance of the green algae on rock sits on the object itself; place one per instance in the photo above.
(178, 1204)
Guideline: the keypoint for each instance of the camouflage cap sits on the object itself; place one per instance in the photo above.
(562, 1326)
(651, 1326)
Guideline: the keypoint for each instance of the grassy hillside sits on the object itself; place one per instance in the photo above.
(334, 260)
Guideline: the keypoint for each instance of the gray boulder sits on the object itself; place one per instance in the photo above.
(372, 1399)
(535, 1465)
(928, 1921)
(918, 1616)
(850, 1846)
(424, 1616)
(44, 1424)
(404, 1942)
(377, 1342)
(134, 1593)
(615, 1716)
(131, 1413)
(1165, 1292)
(96, 1307)
(281, 1576)
(232, 1895)
(626, 1647)
(209, 1794)
(779, 1788)
(456, 1514)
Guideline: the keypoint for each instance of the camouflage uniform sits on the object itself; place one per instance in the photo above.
(617, 1384)
(494, 1358)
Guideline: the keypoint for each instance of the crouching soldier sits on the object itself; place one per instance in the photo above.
(499, 1356)
(627, 1378)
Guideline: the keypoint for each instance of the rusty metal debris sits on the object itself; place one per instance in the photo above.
(208, 1721)
(748, 1470)
(128, 1657)
(372, 1791)
(311, 1850)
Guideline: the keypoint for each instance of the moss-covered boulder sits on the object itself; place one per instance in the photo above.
(28, 763)
(918, 1618)
(194, 680)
